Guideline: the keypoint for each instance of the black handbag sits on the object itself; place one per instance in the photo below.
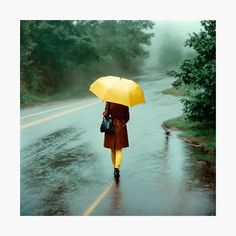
(107, 125)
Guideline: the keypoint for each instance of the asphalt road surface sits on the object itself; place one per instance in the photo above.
(66, 171)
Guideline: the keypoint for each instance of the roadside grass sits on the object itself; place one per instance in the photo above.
(198, 134)
(179, 91)
(172, 91)
(34, 99)
(29, 99)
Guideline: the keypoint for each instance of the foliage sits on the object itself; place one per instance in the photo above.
(56, 54)
(200, 72)
(177, 83)
(170, 52)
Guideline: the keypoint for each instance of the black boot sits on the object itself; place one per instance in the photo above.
(116, 173)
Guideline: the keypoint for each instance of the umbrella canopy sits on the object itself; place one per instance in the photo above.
(118, 90)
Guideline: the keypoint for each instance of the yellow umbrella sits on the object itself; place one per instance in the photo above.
(118, 90)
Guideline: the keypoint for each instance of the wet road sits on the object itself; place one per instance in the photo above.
(66, 171)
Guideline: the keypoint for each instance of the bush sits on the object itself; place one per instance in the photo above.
(200, 73)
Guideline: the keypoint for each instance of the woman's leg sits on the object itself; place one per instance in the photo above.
(113, 157)
(118, 158)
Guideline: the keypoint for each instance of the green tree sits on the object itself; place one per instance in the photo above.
(120, 44)
(200, 73)
(170, 52)
(49, 49)
(56, 54)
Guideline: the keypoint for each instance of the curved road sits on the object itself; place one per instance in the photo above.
(66, 171)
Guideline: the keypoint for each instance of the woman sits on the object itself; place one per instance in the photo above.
(119, 139)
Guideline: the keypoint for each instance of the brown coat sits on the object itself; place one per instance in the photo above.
(120, 116)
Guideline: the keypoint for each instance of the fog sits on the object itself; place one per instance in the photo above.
(167, 49)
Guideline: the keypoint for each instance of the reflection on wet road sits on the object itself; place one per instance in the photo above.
(64, 166)
(50, 170)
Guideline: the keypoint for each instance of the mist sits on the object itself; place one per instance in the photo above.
(167, 48)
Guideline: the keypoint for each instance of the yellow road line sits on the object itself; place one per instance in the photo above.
(93, 206)
(53, 109)
(55, 116)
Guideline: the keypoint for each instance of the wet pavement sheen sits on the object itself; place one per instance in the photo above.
(64, 166)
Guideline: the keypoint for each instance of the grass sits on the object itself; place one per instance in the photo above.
(197, 133)
(173, 91)
(203, 134)
(180, 91)
(29, 99)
